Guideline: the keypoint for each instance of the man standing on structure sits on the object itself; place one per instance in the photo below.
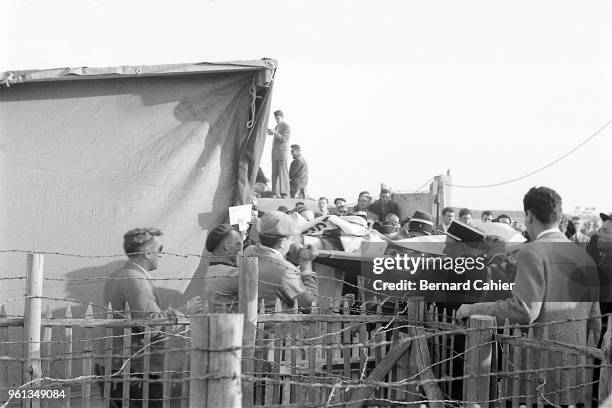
(280, 150)
(298, 173)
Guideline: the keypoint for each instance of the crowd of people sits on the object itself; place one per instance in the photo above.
(562, 273)
(543, 272)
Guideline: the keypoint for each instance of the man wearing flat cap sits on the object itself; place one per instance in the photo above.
(279, 278)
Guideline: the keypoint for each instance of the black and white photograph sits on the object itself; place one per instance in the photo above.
(306, 203)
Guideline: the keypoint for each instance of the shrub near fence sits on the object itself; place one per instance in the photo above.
(342, 354)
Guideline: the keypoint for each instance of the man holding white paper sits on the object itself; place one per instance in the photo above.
(280, 151)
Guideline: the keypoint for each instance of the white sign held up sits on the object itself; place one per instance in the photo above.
(241, 215)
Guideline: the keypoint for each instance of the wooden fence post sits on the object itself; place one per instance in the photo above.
(216, 342)
(225, 335)
(247, 305)
(33, 320)
(199, 360)
(478, 354)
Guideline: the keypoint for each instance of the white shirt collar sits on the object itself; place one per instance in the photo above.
(141, 268)
(546, 231)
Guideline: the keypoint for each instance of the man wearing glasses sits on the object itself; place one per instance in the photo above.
(132, 284)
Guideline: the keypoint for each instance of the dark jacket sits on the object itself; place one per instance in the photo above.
(298, 172)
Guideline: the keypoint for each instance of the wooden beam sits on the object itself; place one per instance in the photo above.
(378, 374)
(421, 351)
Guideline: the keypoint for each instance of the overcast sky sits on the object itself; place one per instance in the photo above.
(380, 91)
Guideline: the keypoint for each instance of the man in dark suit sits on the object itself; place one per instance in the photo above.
(280, 151)
(555, 281)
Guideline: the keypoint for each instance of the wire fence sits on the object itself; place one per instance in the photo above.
(345, 352)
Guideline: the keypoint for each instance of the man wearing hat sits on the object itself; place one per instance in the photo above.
(279, 278)
(421, 223)
(555, 281)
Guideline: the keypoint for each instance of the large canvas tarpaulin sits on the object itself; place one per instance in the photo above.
(87, 154)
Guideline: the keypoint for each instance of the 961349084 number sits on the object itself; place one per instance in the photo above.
(30, 393)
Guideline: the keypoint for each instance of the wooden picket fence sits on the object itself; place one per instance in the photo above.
(341, 354)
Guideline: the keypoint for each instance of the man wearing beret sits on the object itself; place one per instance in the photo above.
(279, 278)
(555, 281)
(216, 278)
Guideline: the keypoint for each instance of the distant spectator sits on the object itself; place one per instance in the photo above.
(322, 207)
(448, 215)
(486, 216)
(299, 204)
(280, 147)
(282, 208)
(590, 228)
(465, 216)
(393, 219)
(363, 202)
(571, 230)
(563, 224)
(339, 201)
(504, 219)
(342, 210)
(384, 205)
(298, 173)
(579, 238)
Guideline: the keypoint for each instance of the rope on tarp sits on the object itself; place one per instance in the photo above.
(253, 92)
